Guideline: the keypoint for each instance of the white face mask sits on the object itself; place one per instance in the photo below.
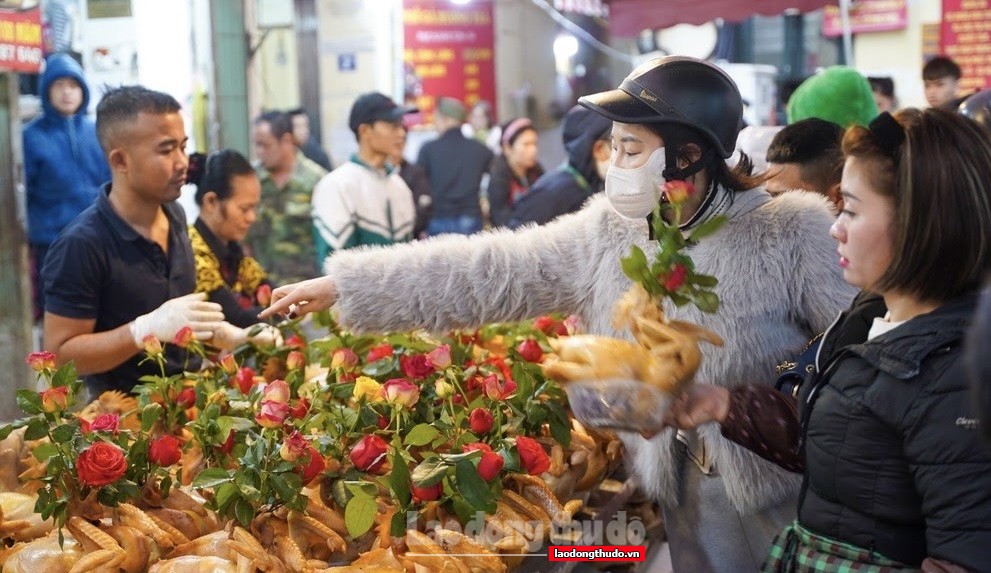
(633, 193)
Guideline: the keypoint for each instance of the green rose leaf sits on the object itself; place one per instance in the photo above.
(473, 488)
(29, 401)
(65, 375)
(421, 435)
(359, 515)
(429, 472)
(45, 451)
(400, 478)
(211, 477)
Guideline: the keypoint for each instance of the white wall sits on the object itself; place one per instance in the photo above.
(898, 54)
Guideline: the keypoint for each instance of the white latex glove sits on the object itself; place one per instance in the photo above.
(192, 310)
(228, 337)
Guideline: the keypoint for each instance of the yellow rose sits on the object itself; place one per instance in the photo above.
(367, 388)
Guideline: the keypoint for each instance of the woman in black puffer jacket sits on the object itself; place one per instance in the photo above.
(897, 477)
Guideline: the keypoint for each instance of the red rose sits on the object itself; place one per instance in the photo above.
(497, 388)
(41, 361)
(186, 398)
(416, 366)
(165, 451)
(421, 494)
(272, 414)
(440, 357)
(228, 444)
(100, 464)
(300, 409)
(184, 337)
(368, 455)
(105, 423)
(530, 350)
(480, 420)
(295, 341)
(295, 360)
(678, 191)
(343, 359)
(673, 280)
(263, 294)
(55, 399)
(294, 446)
(532, 455)
(401, 392)
(545, 324)
(379, 352)
(382, 422)
(315, 465)
(490, 464)
(228, 364)
(244, 379)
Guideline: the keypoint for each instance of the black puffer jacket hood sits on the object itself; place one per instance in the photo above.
(582, 128)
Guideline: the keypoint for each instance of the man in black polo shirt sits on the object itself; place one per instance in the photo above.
(123, 269)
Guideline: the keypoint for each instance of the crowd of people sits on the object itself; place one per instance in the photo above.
(869, 234)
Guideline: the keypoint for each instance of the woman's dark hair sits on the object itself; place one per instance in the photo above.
(738, 178)
(938, 176)
(214, 172)
(514, 128)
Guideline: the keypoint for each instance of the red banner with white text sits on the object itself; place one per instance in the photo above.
(449, 51)
(20, 39)
(965, 36)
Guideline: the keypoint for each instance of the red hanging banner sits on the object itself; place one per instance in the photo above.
(965, 36)
(448, 51)
(20, 39)
(866, 16)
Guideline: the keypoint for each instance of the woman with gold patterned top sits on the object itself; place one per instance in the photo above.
(227, 193)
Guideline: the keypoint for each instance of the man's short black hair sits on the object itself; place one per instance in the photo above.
(813, 144)
(941, 67)
(882, 85)
(278, 121)
(297, 111)
(121, 106)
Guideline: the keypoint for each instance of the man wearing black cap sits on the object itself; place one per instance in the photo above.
(455, 166)
(364, 201)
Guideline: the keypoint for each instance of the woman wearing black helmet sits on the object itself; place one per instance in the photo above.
(674, 118)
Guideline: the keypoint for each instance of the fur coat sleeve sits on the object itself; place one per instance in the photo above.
(454, 281)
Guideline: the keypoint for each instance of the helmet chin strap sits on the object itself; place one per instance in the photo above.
(682, 174)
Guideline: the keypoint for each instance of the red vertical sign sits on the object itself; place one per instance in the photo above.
(20, 39)
(448, 51)
(965, 36)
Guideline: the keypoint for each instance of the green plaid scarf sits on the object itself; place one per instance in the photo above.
(798, 550)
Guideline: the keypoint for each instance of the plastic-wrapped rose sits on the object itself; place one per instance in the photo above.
(401, 392)
(532, 455)
(480, 420)
(164, 451)
(55, 399)
(106, 423)
(100, 464)
(368, 455)
(41, 361)
(490, 464)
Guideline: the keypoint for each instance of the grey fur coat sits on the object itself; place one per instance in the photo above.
(779, 284)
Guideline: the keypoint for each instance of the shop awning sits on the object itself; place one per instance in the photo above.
(629, 17)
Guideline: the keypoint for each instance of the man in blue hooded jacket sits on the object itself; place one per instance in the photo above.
(63, 163)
